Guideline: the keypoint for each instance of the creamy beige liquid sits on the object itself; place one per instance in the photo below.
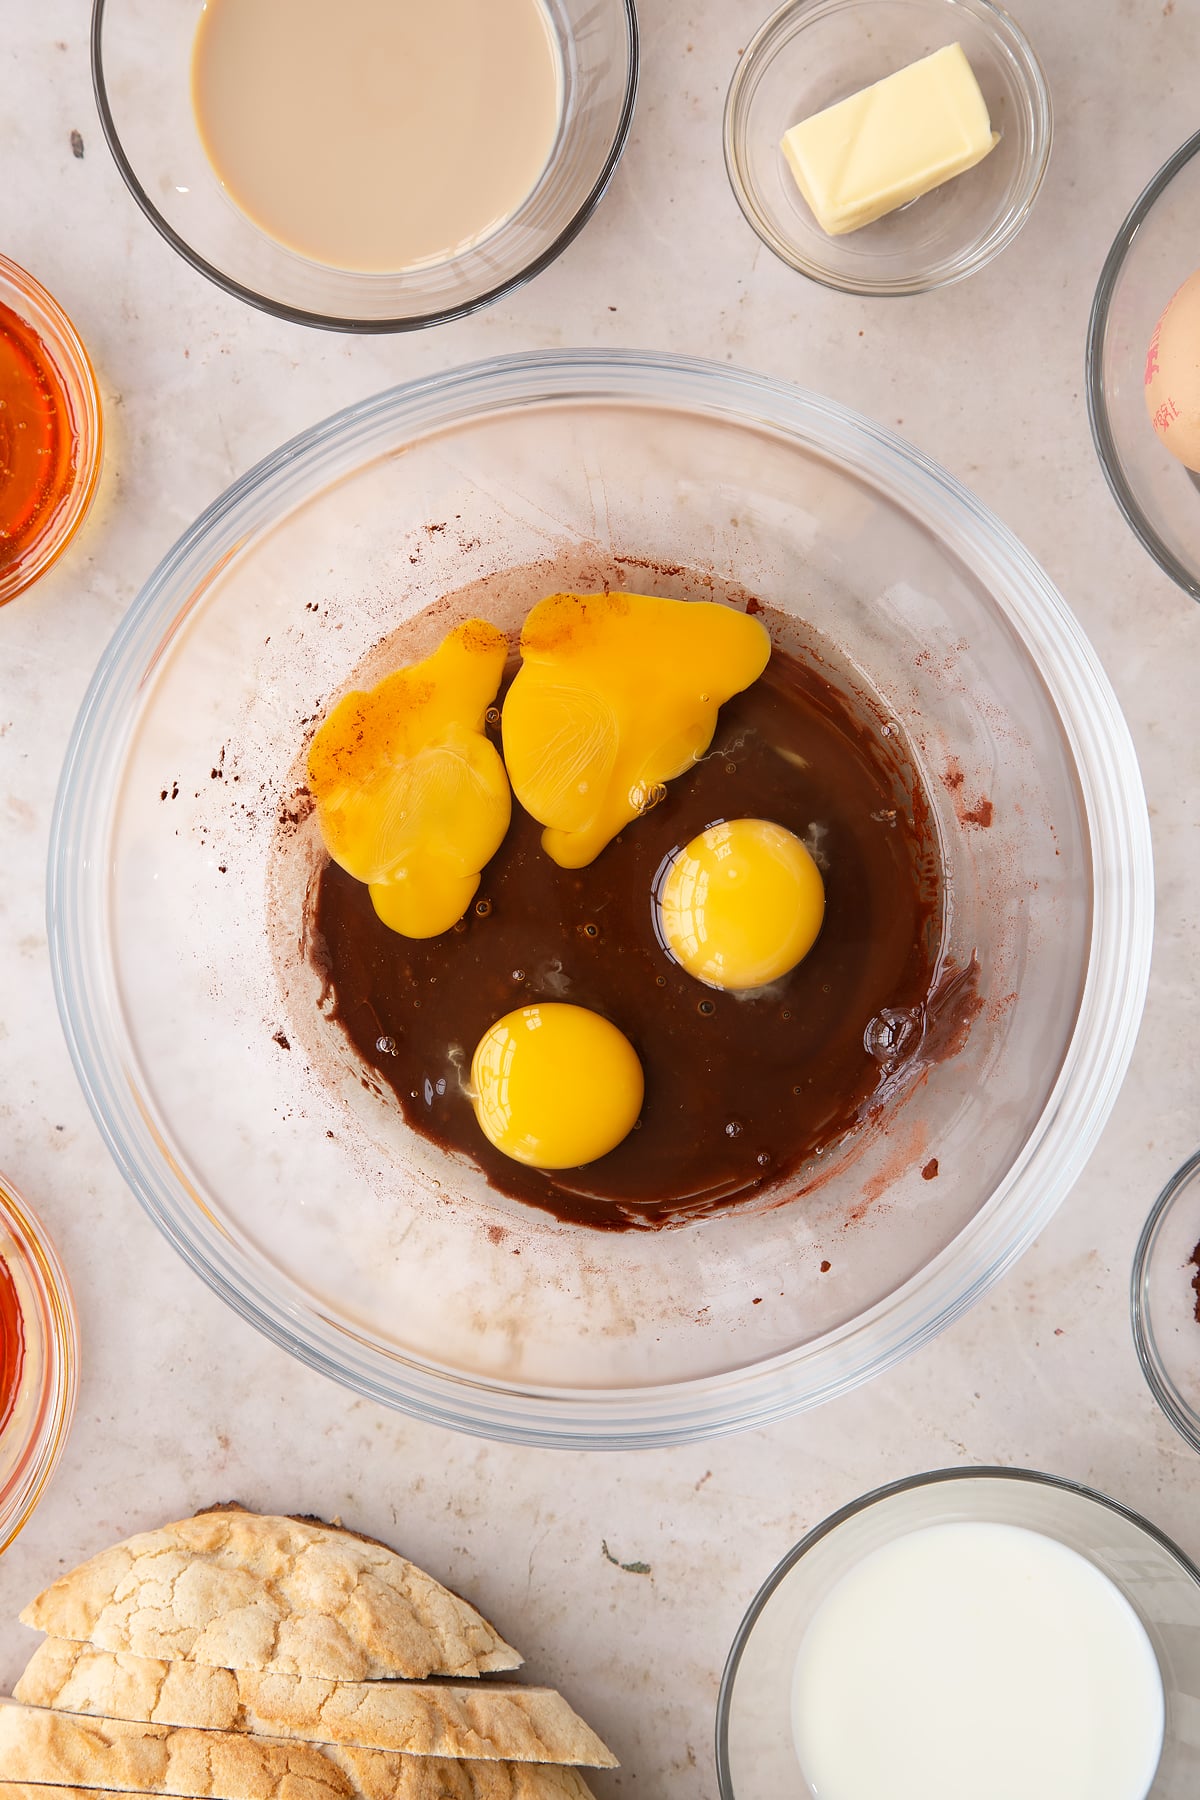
(377, 134)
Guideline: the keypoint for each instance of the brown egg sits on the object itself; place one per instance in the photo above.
(1173, 374)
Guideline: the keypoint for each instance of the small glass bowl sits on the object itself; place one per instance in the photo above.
(756, 1759)
(1152, 255)
(61, 343)
(141, 71)
(1166, 1330)
(813, 53)
(32, 1439)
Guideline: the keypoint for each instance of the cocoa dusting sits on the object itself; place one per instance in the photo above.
(982, 813)
(740, 1090)
(1194, 1260)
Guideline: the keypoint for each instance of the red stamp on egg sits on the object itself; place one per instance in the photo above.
(1152, 355)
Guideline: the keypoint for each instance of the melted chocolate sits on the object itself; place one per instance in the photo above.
(740, 1090)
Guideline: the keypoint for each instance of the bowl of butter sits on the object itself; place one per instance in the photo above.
(887, 146)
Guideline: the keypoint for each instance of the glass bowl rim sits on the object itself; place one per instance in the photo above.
(60, 1377)
(1004, 27)
(296, 315)
(1103, 440)
(887, 1491)
(1096, 1054)
(1183, 1417)
(46, 315)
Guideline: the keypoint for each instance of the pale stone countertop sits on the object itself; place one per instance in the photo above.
(181, 1403)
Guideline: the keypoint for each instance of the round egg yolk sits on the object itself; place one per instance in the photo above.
(555, 1086)
(741, 904)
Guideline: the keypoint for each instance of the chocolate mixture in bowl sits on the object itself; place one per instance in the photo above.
(742, 1090)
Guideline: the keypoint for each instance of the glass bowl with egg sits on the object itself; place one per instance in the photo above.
(813, 54)
(1130, 360)
(407, 167)
(1165, 1300)
(39, 1362)
(247, 1097)
(987, 1631)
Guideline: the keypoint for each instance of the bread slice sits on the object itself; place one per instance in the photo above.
(427, 1778)
(475, 1719)
(245, 1590)
(430, 1779)
(64, 1749)
(56, 1750)
(114, 1684)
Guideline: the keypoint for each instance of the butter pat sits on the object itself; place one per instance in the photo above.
(890, 143)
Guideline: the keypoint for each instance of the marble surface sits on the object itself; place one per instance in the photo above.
(180, 1402)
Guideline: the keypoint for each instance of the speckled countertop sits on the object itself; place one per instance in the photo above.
(180, 1402)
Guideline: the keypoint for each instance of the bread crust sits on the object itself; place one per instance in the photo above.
(244, 1590)
(482, 1720)
(429, 1780)
(52, 1751)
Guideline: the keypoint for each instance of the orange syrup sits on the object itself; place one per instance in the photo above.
(38, 443)
(12, 1343)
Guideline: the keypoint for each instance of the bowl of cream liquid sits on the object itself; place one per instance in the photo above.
(981, 1632)
(380, 166)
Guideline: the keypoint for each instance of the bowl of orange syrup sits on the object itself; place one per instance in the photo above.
(39, 1362)
(51, 435)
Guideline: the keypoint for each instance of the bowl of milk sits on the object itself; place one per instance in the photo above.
(971, 1634)
(378, 166)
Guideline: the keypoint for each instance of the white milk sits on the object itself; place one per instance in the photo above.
(977, 1662)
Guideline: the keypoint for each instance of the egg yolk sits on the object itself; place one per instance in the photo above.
(555, 1086)
(741, 904)
(616, 695)
(411, 796)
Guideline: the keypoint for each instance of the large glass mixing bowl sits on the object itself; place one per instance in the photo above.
(250, 1137)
